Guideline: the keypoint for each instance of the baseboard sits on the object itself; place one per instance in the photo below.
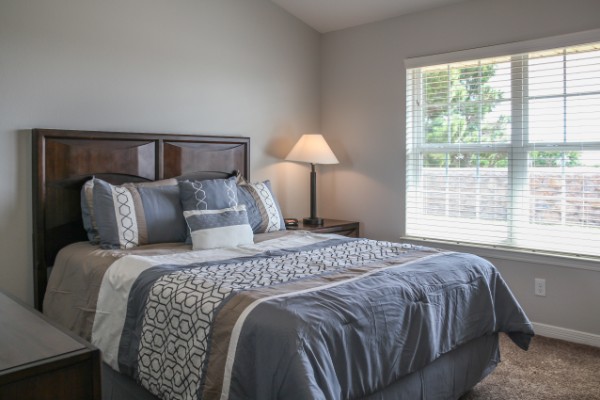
(569, 335)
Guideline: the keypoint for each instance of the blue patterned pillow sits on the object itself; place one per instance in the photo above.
(264, 212)
(212, 194)
(227, 227)
(130, 215)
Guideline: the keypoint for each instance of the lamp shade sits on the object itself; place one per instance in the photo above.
(312, 148)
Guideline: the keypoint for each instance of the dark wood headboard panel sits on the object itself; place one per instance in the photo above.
(64, 159)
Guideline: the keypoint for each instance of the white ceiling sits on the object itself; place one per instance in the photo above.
(331, 15)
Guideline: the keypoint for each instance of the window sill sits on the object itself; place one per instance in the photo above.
(535, 257)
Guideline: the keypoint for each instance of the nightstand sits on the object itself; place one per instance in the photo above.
(40, 361)
(346, 228)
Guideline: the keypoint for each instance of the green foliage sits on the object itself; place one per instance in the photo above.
(458, 107)
(554, 158)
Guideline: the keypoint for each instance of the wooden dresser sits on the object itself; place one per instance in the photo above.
(40, 361)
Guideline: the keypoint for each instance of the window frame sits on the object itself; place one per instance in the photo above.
(518, 147)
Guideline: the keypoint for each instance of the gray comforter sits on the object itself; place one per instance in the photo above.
(337, 319)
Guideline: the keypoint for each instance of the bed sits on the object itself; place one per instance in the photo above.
(289, 315)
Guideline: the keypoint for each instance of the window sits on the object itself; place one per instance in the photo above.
(505, 151)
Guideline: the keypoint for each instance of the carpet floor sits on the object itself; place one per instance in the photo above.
(551, 369)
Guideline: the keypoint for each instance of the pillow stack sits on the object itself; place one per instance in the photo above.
(209, 214)
(212, 214)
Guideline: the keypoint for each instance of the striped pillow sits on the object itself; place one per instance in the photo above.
(130, 215)
(264, 212)
(227, 227)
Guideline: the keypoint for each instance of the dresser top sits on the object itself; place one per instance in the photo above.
(26, 337)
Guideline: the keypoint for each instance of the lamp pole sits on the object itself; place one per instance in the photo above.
(313, 220)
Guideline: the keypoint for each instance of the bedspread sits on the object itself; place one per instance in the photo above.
(320, 317)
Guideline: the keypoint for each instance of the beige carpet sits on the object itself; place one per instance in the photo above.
(551, 369)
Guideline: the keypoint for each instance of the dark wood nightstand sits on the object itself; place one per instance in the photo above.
(346, 228)
(40, 361)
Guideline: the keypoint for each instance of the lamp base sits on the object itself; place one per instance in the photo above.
(313, 221)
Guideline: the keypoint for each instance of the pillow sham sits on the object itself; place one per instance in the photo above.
(264, 213)
(211, 229)
(87, 204)
(212, 194)
(130, 215)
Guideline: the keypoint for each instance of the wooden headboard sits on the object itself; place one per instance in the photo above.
(64, 159)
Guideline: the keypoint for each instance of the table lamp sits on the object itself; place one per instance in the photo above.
(312, 148)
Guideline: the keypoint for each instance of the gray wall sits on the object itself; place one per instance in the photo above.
(363, 106)
(233, 67)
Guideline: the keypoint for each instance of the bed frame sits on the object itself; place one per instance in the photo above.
(64, 159)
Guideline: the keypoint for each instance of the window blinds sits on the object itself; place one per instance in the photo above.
(505, 151)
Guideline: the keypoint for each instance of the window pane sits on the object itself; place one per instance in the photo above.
(583, 72)
(461, 187)
(564, 199)
(435, 86)
(437, 124)
(465, 105)
(466, 123)
(546, 76)
(496, 126)
(583, 121)
(499, 82)
(451, 125)
(546, 120)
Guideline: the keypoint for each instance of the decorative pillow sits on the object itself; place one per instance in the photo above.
(264, 213)
(134, 214)
(87, 204)
(212, 194)
(227, 227)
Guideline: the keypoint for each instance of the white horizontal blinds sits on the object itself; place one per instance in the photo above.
(506, 151)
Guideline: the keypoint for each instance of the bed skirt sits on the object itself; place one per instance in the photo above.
(446, 378)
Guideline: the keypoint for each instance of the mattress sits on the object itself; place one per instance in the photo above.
(296, 315)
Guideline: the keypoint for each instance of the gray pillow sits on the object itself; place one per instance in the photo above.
(264, 212)
(130, 215)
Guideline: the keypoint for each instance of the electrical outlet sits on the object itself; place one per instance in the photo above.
(540, 287)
